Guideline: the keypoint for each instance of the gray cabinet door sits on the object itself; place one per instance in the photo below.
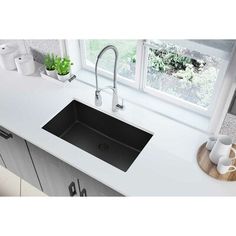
(2, 161)
(16, 157)
(54, 177)
(91, 185)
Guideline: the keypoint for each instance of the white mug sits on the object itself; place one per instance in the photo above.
(225, 165)
(222, 147)
(211, 142)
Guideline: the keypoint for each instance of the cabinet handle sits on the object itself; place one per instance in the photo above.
(83, 192)
(5, 135)
(72, 189)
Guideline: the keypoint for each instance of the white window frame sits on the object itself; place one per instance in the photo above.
(90, 67)
(141, 68)
(178, 101)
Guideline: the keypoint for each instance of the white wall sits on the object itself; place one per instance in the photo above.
(38, 48)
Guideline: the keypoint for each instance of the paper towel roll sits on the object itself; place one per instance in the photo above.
(7, 56)
(25, 64)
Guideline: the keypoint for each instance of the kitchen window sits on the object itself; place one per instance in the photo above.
(188, 73)
(185, 72)
(126, 67)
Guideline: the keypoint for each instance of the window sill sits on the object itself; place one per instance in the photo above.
(156, 105)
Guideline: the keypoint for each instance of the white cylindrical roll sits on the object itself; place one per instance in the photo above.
(25, 64)
(7, 56)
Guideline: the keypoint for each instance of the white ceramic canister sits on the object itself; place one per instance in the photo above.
(211, 142)
(222, 147)
(25, 64)
(7, 56)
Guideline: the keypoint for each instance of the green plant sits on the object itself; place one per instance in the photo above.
(159, 64)
(63, 65)
(186, 74)
(173, 63)
(49, 61)
(156, 62)
(178, 62)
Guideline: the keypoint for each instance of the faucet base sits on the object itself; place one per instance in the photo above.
(98, 99)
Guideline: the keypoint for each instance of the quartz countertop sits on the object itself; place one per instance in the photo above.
(167, 165)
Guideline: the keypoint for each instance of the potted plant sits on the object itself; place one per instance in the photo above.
(49, 62)
(63, 66)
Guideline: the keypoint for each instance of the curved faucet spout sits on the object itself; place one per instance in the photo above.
(98, 98)
(109, 47)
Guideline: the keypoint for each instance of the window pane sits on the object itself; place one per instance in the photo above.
(189, 75)
(126, 60)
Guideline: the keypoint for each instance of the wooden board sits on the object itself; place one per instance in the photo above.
(209, 168)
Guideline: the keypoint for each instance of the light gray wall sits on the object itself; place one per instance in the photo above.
(38, 48)
(229, 124)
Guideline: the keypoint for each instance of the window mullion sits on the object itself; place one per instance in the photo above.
(138, 64)
(83, 53)
(141, 64)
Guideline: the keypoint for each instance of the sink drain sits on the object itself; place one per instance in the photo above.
(103, 146)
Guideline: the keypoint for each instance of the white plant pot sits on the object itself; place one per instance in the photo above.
(51, 73)
(63, 77)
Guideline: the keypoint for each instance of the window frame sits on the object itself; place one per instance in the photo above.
(139, 82)
(178, 101)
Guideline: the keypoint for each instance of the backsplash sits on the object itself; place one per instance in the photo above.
(38, 48)
(229, 124)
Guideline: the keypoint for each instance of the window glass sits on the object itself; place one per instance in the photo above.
(183, 73)
(126, 60)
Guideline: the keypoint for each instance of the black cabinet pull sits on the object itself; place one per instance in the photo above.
(83, 192)
(72, 189)
(5, 135)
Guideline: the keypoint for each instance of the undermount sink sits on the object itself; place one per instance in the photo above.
(99, 134)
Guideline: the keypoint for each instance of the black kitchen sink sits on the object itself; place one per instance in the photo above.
(101, 135)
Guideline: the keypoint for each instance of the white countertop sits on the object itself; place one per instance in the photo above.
(166, 167)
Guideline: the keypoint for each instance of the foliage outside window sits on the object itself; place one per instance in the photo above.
(185, 74)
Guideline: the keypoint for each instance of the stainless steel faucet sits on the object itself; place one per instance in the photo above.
(98, 98)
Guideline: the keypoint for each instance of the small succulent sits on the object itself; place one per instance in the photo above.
(49, 61)
(63, 65)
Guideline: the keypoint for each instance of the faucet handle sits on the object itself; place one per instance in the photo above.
(121, 106)
(115, 102)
